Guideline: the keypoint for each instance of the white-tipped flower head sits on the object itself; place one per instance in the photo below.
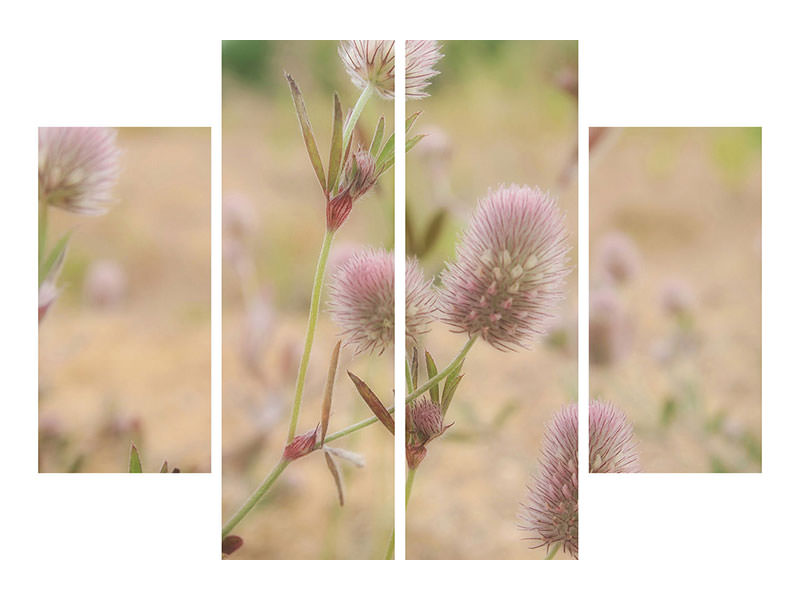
(619, 258)
(420, 302)
(370, 62)
(610, 327)
(359, 174)
(510, 269)
(362, 300)
(550, 512)
(612, 448)
(78, 167)
(421, 57)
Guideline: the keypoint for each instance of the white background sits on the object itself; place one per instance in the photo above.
(158, 63)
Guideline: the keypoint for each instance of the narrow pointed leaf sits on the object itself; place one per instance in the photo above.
(410, 143)
(431, 367)
(411, 119)
(337, 142)
(337, 476)
(328, 397)
(450, 385)
(433, 231)
(55, 259)
(135, 463)
(351, 457)
(375, 405)
(308, 134)
(387, 151)
(164, 468)
(377, 138)
(415, 368)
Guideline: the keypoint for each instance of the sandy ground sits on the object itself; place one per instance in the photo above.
(691, 201)
(507, 123)
(139, 371)
(264, 160)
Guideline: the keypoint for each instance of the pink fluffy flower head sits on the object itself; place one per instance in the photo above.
(612, 447)
(362, 300)
(550, 513)
(510, 269)
(78, 167)
(421, 57)
(610, 327)
(420, 302)
(370, 62)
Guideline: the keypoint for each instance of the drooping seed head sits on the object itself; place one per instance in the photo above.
(421, 57)
(510, 269)
(370, 62)
(362, 300)
(610, 327)
(78, 167)
(420, 302)
(618, 257)
(612, 447)
(550, 512)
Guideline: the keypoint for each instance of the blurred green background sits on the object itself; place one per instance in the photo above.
(275, 214)
(500, 112)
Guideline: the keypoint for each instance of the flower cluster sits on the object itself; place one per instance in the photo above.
(510, 269)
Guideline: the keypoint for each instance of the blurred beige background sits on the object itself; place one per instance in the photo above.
(690, 200)
(499, 113)
(270, 191)
(137, 369)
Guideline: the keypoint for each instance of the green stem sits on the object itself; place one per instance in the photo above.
(552, 553)
(352, 428)
(43, 206)
(313, 313)
(357, 110)
(444, 372)
(255, 497)
(409, 484)
(390, 549)
(409, 379)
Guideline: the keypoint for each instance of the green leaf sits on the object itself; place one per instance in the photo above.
(55, 259)
(337, 142)
(433, 231)
(414, 141)
(450, 386)
(386, 153)
(164, 468)
(431, 366)
(377, 138)
(415, 368)
(411, 119)
(308, 134)
(135, 463)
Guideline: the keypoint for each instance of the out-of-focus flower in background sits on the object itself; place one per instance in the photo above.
(105, 285)
(610, 327)
(78, 168)
(619, 259)
(677, 297)
(362, 300)
(510, 269)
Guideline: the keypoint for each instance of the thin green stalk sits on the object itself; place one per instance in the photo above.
(313, 314)
(552, 553)
(409, 379)
(353, 428)
(255, 497)
(390, 549)
(357, 110)
(409, 484)
(43, 206)
(444, 372)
